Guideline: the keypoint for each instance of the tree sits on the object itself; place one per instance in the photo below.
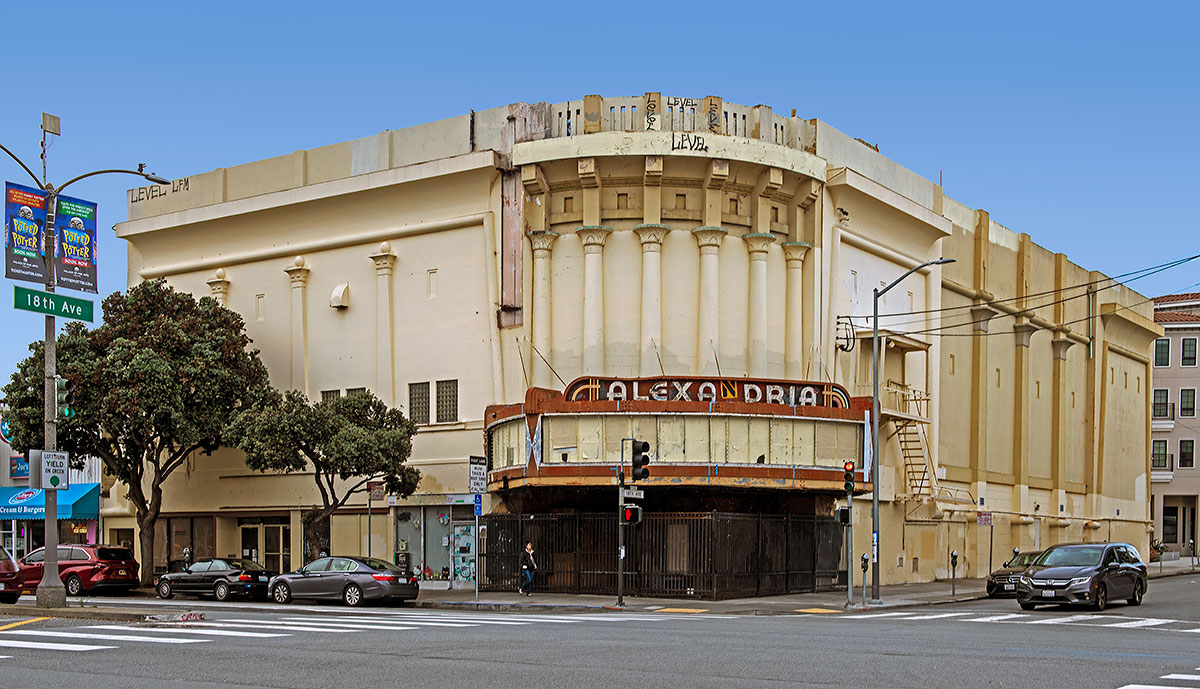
(157, 383)
(347, 441)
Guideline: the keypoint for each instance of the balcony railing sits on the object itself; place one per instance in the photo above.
(895, 396)
(1163, 410)
(1162, 462)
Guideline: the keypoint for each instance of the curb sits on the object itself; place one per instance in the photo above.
(111, 614)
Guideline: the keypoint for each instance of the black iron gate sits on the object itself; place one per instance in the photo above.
(710, 555)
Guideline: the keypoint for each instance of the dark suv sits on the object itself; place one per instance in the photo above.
(85, 568)
(1084, 573)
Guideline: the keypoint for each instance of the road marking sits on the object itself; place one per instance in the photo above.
(998, 618)
(186, 630)
(18, 624)
(380, 624)
(1148, 686)
(1148, 622)
(684, 610)
(362, 625)
(1068, 619)
(818, 611)
(938, 616)
(266, 624)
(45, 646)
(1190, 631)
(470, 619)
(106, 637)
(1190, 678)
(878, 614)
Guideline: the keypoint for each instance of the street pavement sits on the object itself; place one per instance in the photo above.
(972, 643)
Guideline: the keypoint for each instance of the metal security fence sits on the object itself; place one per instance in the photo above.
(710, 555)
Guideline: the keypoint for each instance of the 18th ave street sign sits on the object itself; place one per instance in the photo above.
(52, 304)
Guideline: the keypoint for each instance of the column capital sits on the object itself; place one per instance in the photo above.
(219, 286)
(384, 260)
(542, 241)
(794, 252)
(757, 244)
(652, 235)
(709, 237)
(1024, 330)
(297, 273)
(593, 237)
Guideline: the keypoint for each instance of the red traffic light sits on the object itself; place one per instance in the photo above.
(848, 466)
(849, 476)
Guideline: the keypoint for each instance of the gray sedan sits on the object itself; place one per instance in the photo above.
(352, 579)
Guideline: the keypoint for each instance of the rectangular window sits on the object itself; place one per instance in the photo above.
(447, 401)
(1161, 408)
(418, 403)
(1188, 347)
(1187, 454)
(1162, 351)
(1187, 402)
(355, 391)
(330, 395)
(1170, 524)
(1158, 454)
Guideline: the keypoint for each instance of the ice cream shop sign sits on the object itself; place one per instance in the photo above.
(701, 389)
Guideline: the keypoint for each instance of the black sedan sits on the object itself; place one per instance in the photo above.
(1084, 573)
(1003, 582)
(217, 577)
(351, 579)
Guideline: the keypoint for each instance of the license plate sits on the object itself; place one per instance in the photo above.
(121, 572)
(1047, 594)
(262, 578)
(1010, 587)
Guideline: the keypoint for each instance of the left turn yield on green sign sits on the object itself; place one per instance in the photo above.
(52, 304)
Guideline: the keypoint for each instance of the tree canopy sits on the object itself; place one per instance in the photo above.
(346, 441)
(158, 382)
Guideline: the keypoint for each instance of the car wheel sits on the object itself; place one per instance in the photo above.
(74, 585)
(1101, 600)
(9, 598)
(1027, 606)
(164, 590)
(221, 591)
(1139, 590)
(353, 595)
(281, 593)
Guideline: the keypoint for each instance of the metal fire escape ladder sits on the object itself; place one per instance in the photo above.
(920, 471)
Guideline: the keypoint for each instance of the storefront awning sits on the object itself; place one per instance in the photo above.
(77, 502)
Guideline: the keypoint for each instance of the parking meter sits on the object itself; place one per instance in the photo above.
(1016, 552)
(953, 567)
(863, 562)
(953, 559)
(187, 557)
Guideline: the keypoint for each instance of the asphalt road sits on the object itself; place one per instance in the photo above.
(976, 644)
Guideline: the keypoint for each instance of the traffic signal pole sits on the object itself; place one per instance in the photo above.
(621, 527)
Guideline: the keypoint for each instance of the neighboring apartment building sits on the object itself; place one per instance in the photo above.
(1174, 480)
(538, 282)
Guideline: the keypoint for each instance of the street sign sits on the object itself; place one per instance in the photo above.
(478, 504)
(48, 470)
(632, 493)
(52, 304)
(377, 490)
(477, 476)
(983, 518)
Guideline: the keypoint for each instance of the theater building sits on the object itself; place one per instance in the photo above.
(538, 283)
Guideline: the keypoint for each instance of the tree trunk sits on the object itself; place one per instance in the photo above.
(146, 538)
(313, 530)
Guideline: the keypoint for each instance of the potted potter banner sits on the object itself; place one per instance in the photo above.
(25, 233)
(75, 244)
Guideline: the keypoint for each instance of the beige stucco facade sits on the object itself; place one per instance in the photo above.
(530, 245)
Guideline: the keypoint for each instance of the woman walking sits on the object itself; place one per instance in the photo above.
(528, 567)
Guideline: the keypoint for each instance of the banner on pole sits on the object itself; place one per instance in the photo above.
(25, 234)
(75, 261)
(868, 448)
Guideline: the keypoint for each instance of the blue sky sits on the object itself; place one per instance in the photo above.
(1073, 122)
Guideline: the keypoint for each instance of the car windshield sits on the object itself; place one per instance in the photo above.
(1071, 557)
(250, 565)
(1023, 560)
(375, 563)
(4, 554)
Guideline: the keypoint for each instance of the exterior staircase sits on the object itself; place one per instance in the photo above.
(916, 459)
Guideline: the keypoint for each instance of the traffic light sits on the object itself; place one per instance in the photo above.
(849, 475)
(640, 460)
(65, 397)
(631, 514)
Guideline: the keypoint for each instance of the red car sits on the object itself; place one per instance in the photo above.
(85, 568)
(10, 578)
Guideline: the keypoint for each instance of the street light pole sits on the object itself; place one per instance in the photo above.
(50, 592)
(876, 454)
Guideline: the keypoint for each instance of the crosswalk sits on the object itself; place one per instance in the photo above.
(103, 637)
(1177, 680)
(990, 617)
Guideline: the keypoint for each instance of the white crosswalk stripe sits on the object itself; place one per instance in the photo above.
(1189, 678)
(47, 646)
(267, 624)
(1066, 620)
(67, 634)
(1108, 621)
(939, 616)
(190, 630)
(1148, 622)
(380, 624)
(999, 618)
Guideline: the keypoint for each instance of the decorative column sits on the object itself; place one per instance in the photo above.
(298, 275)
(593, 237)
(652, 235)
(793, 353)
(709, 319)
(385, 384)
(756, 357)
(219, 286)
(543, 243)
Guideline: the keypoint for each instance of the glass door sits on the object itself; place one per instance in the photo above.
(250, 542)
(277, 547)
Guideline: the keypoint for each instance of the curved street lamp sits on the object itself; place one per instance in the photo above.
(50, 592)
(875, 599)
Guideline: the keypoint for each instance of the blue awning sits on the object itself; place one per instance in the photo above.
(77, 502)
